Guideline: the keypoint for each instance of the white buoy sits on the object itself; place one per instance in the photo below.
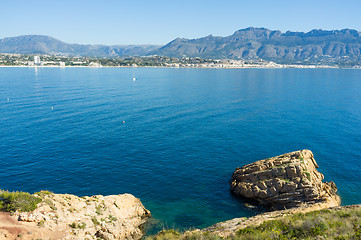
(52, 108)
(133, 78)
(8, 99)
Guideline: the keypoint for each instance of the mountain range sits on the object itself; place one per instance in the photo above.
(39, 44)
(249, 43)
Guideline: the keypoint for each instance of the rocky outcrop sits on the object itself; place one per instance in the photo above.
(285, 181)
(65, 216)
(229, 228)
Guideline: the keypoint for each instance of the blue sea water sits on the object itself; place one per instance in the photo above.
(173, 137)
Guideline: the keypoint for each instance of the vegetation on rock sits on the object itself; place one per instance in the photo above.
(338, 223)
(18, 201)
(45, 215)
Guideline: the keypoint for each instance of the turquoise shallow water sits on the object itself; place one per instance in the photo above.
(185, 131)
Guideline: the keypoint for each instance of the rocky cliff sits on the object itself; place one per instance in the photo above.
(65, 216)
(285, 181)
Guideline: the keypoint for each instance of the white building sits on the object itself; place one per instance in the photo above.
(95, 64)
(37, 60)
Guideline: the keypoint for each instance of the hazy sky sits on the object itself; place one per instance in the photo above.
(160, 21)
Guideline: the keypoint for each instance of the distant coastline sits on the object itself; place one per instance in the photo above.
(21, 60)
(316, 47)
(256, 67)
(204, 67)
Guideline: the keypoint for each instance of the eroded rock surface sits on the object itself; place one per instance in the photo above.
(65, 216)
(285, 181)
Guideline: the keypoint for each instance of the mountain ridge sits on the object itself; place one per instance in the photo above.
(42, 44)
(315, 46)
(254, 43)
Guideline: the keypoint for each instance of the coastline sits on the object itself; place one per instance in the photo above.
(66, 216)
(63, 216)
(193, 67)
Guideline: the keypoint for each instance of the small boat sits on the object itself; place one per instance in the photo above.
(133, 77)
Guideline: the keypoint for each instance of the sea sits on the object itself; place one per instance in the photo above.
(174, 136)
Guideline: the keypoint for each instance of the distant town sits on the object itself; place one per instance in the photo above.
(21, 60)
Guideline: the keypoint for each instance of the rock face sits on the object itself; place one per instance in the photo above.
(285, 181)
(65, 216)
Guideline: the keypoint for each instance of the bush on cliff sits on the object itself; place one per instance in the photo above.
(328, 224)
(21, 201)
(343, 223)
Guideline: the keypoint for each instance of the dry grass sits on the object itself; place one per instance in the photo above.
(325, 224)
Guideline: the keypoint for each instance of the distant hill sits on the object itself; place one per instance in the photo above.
(316, 46)
(253, 43)
(39, 44)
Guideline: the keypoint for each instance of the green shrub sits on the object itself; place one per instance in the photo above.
(43, 192)
(112, 218)
(308, 175)
(245, 231)
(341, 238)
(51, 204)
(78, 226)
(319, 229)
(72, 210)
(170, 234)
(357, 234)
(21, 201)
(98, 210)
(343, 214)
(169, 231)
(95, 221)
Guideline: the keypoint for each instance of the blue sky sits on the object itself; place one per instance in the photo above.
(159, 21)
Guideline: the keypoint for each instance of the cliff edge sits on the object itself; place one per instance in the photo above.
(65, 216)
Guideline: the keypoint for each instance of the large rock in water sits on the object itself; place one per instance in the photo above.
(285, 181)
